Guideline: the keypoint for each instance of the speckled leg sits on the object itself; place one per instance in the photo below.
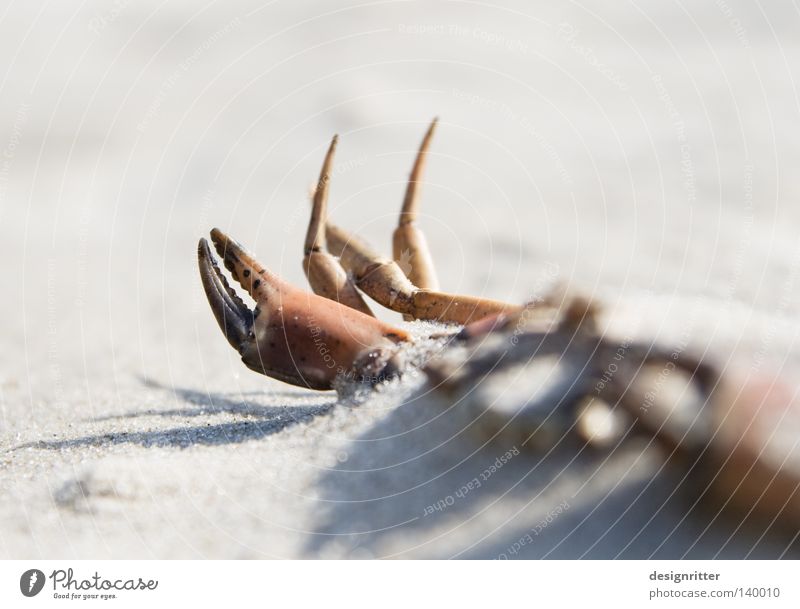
(325, 275)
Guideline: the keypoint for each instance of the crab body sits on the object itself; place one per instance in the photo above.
(543, 370)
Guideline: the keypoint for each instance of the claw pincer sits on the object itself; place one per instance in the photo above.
(291, 334)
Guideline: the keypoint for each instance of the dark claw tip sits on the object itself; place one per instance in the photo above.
(232, 315)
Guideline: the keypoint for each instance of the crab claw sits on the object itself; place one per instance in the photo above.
(234, 318)
(293, 335)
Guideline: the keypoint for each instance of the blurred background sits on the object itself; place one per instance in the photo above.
(647, 151)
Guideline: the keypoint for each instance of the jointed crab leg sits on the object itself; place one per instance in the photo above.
(385, 282)
(325, 275)
(383, 279)
(293, 335)
(408, 242)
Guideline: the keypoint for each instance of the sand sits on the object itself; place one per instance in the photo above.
(645, 154)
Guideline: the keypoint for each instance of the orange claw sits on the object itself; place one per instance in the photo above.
(293, 335)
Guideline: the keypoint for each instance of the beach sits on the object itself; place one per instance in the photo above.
(644, 155)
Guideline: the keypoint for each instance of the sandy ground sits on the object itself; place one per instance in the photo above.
(646, 153)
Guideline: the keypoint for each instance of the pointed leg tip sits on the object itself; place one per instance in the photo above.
(429, 134)
(408, 213)
(315, 234)
(329, 155)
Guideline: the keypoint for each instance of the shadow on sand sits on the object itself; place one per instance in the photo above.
(261, 420)
(421, 483)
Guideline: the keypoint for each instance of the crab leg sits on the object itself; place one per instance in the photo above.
(385, 282)
(383, 279)
(325, 275)
(755, 461)
(408, 242)
(293, 335)
(735, 436)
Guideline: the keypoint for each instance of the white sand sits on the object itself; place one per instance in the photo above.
(648, 152)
